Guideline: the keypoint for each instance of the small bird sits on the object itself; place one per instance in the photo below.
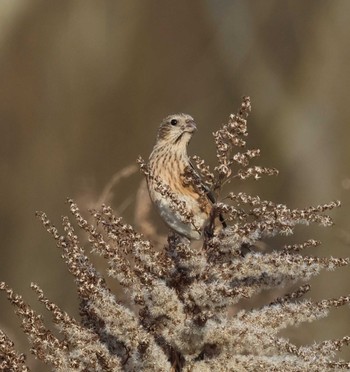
(184, 203)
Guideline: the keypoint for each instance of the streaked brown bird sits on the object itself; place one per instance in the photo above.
(185, 204)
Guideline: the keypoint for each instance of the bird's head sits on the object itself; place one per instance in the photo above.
(176, 129)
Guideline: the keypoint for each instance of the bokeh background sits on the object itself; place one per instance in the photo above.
(84, 85)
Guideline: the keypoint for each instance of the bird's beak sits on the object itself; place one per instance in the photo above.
(190, 126)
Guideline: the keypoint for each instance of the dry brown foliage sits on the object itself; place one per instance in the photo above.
(179, 297)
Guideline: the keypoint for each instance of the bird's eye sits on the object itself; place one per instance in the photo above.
(173, 122)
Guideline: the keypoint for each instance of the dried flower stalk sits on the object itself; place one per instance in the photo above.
(179, 316)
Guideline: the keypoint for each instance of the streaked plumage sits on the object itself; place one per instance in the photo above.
(167, 163)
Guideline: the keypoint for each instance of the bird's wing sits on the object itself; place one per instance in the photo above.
(209, 193)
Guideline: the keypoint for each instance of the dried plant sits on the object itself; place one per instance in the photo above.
(180, 315)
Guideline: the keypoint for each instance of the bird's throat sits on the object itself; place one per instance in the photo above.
(183, 138)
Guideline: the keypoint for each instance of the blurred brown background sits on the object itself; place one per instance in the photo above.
(84, 85)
